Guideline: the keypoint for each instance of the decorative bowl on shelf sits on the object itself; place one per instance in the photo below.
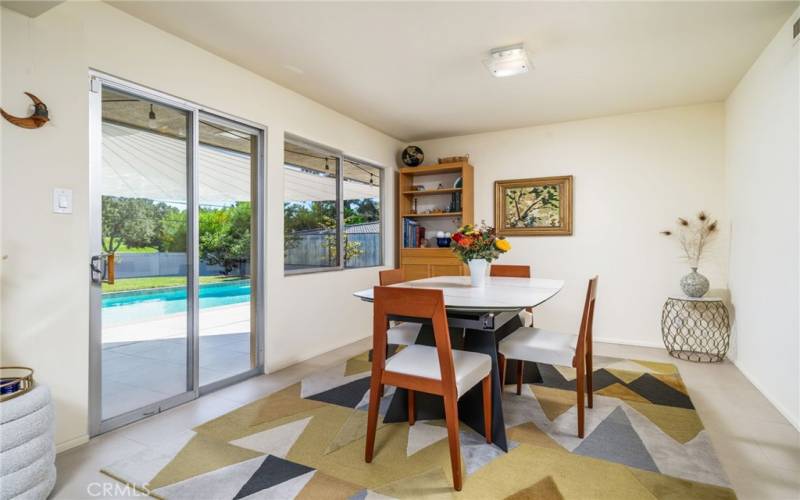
(443, 242)
(412, 156)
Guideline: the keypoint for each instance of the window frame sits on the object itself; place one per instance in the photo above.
(340, 160)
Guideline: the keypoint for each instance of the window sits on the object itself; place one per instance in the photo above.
(362, 215)
(331, 210)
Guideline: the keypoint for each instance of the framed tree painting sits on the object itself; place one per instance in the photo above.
(533, 207)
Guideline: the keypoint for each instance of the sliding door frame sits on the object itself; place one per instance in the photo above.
(97, 424)
(196, 112)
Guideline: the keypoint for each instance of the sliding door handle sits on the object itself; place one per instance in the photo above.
(97, 266)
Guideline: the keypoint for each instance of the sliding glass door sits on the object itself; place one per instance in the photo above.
(227, 173)
(176, 242)
(142, 268)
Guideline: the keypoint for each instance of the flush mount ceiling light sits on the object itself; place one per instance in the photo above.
(508, 61)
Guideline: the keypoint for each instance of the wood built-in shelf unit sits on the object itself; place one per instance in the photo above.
(438, 214)
(433, 261)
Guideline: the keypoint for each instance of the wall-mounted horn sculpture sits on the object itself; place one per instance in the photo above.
(39, 117)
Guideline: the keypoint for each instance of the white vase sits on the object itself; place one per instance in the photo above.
(477, 272)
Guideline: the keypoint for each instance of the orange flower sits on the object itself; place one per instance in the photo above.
(465, 242)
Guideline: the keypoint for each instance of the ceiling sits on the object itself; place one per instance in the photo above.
(415, 71)
(30, 8)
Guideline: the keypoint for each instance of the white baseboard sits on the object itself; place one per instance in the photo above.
(71, 443)
(637, 343)
(783, 411)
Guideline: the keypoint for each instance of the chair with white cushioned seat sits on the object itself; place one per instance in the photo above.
(556, 348)
(400, 333)
(422, 361)
(439, 370)
(525, 315)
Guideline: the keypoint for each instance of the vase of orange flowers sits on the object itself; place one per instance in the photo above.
(477, 246)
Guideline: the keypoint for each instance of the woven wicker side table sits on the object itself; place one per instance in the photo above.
(696, 329)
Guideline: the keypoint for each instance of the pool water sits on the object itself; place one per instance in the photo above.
(130, 307)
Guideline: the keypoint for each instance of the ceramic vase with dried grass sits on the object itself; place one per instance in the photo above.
(694, 236)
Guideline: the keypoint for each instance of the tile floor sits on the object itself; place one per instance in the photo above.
(759, 449)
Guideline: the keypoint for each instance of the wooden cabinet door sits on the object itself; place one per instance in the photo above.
(416, 271)
(446, 270)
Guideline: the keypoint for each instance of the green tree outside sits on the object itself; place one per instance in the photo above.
(225, 236)
(140, 224)
(129, 221)
(321, 215)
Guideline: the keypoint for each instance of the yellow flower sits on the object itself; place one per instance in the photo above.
(502, 244)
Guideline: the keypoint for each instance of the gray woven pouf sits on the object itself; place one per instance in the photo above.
(27, 448)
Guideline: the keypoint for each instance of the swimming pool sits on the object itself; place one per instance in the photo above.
(128, 307)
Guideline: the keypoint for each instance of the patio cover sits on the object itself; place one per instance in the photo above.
(143, 164)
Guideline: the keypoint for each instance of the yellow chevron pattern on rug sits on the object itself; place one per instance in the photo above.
(643, 440)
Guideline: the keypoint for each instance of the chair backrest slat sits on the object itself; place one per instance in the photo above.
(587, 320)
(391, 276)
(509, 271)
(414, 303)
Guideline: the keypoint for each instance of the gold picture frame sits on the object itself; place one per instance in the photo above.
(533, 207)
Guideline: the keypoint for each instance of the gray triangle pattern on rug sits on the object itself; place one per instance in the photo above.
(368, 494)
(616, 440)
(386, 400)
(476, 452)
(273, 471)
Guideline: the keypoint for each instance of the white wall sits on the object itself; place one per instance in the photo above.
(633, 175)
(763, 137)
(45, 281)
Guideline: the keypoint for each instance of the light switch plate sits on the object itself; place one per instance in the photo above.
(62, 201)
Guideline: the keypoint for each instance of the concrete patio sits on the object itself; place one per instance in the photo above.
(145, 362)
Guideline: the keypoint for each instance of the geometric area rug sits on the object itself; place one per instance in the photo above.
(644, 440)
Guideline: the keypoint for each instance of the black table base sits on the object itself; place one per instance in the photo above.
(470, 405)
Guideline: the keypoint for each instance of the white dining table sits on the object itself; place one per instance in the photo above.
(478, 318)
(499, 294)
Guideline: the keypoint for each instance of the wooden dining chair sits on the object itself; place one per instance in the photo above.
(511, 271)
(438, 370)
(401, 333)
(525, 315)
(556, 348)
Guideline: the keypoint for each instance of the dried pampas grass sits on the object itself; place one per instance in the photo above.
(694, 236)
